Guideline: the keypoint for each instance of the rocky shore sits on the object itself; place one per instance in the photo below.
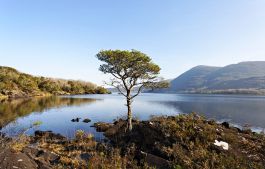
(184, 141)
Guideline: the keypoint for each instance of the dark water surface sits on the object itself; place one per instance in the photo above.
(56, 113)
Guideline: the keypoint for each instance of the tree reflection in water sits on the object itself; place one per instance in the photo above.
(10, 110)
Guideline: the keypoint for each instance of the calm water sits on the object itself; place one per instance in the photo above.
(56, 113)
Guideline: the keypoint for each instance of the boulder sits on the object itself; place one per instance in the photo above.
(225, 124)
(155, 161)
(48, 135)
(9, 159)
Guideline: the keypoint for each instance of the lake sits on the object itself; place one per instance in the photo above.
(56, 113)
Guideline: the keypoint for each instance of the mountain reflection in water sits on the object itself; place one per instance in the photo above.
(56, 112)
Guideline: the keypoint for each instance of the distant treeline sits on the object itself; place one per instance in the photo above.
(16, 84)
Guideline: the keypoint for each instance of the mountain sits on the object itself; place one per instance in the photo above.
(16, 84)
(244, 77)
(194, 78)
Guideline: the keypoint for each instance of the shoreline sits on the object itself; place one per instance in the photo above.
(44, 95)
(209, 93)
(161, 142)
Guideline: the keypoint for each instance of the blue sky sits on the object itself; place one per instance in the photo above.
(60, 38)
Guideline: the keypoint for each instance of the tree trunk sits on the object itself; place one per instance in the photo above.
(129, 115)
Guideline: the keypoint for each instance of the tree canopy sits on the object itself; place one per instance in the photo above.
(129, 68)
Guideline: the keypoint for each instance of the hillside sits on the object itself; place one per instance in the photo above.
(244, 77)
(16, 84)
(194, 78)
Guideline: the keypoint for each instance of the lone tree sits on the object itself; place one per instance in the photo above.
(130, 70)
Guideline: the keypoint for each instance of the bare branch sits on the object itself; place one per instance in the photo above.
(120, 91)
(112, 83)
(138, 92)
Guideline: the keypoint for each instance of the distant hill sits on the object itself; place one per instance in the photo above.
(243, 78)
(16, 84)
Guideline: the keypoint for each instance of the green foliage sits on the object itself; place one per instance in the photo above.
(16, 84)
(49, 86)
(130, 69)
(127, 64)
(101, 90)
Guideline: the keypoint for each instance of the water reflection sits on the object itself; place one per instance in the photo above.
(238, 110)
(10, 110)
(56, 112)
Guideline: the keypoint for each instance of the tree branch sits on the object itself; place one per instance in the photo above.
(138, 92)
(116, 86)
(120, 91)
(115, 76)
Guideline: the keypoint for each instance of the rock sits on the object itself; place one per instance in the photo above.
(9, 159)
(76, 119)
(48, 135)
(225, 124)
(48, 156)
(84, 156)
(155, 161)
(101, 126)
(86, 120)
(32, 152)
(43, 164)
(222, 144)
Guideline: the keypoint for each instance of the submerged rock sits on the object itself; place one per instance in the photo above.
(86, 120)
(76, 119)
